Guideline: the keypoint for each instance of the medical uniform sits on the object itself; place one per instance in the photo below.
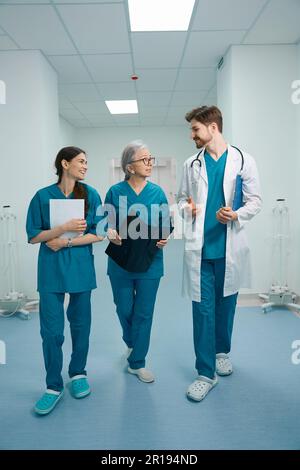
(216, 260)
(135, 292)
(69, 270)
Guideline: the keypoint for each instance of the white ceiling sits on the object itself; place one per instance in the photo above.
(90, 46)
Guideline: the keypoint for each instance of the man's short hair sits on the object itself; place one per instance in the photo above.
(206, 115)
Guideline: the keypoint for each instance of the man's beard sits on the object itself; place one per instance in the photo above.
(202, 142)
(199, 143)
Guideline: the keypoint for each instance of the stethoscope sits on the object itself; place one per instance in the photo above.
(197, 159)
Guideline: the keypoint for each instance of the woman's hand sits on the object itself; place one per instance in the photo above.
(57, 243)
(114, 237)
(75, 225)
(161, 243)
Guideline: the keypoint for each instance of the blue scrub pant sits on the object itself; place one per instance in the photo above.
(135, 300)
(212, 317)
(52, 332)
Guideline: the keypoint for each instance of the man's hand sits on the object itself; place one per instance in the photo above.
(57, 243)
(225, 215)
(192, 206)
(161, 243)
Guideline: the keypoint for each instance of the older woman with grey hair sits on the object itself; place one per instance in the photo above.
(134, 290)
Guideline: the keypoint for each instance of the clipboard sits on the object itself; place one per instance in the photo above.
(63, 210)
(136, 255)
(238, 193)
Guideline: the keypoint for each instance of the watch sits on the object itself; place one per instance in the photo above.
(69, 244)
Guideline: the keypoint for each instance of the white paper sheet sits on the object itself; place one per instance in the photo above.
(63, 210)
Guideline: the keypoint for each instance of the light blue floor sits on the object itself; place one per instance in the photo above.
(258, 407)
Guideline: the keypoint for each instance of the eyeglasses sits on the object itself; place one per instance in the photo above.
(147, 161)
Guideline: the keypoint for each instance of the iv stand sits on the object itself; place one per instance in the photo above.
(13, 301)
(279, 293)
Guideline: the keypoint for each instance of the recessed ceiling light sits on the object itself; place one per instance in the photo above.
(122, 106)
(160, 15)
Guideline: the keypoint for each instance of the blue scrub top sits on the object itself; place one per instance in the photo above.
(69, 269)
(214, 232)
(151, 194)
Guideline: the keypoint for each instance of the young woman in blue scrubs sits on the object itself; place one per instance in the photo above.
(135, 292)
(65, 266)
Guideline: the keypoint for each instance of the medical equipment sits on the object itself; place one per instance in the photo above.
(238, 188)
(197, 159)
(202, 150)
(279, 293)
(13, 301)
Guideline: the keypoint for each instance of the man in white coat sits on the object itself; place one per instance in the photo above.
(219, 192)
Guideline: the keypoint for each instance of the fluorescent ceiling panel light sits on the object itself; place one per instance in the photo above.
(160, 15)
(122, 106)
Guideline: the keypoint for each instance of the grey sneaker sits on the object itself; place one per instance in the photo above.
(143, 374)
(223, 364)
(200, 388)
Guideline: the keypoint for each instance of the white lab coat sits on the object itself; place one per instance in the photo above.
(195, 184)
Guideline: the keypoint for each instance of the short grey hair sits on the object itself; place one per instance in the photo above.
(128, 154)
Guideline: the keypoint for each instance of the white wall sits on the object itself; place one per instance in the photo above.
(104, 144)
(254, 87)
(67, 133)
(297, 172)
(29, 139)
(224, 90)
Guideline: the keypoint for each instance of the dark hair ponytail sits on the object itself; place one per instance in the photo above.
(80, 192)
